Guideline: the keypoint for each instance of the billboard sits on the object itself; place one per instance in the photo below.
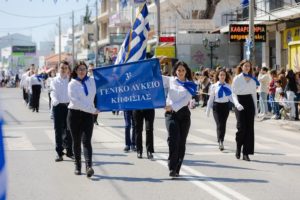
(239, 32)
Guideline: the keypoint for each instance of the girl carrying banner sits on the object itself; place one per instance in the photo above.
(181, 89)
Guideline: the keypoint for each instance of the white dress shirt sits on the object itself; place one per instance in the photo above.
(177, 96)
(59, 90)
(78, 99)
(33, 80)
(213, 95)
(23, 80)
(264, 80)
(240, 86)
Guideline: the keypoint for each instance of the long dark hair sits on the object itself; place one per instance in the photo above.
(291, 85)
(74, 73)
(188, 74)
(227, 79)
(239, 67)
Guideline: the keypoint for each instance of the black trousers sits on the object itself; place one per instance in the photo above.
(245, 124)
(178, 125)
(138, 118)
(25, 95)
(220, 113)
(63, 139)
(81, 125)
(49, 97)
(36, 92)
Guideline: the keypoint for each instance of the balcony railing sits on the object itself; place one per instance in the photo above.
(262, 7)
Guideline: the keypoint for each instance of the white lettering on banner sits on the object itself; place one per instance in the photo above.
(134, 87)
(131, 98)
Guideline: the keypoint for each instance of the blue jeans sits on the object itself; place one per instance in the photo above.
(263, 103)
(128, 116)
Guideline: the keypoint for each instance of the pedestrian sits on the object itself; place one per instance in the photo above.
(264, 81)
(177, 115)
(129, 125)
(35, 85)
(139, 116)
(219, 100)
(60, 101)
(245, 99)
(23, 85)
(291, 91)
(204, 87)
(82, 91)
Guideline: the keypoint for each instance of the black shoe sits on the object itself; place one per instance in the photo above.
(149, 155)
(33, 109)
(133, 148)
(37, 110)
(89, 172)
(96, 123)
(238, 152)
(221, 146)
(140, 155)
(70, 155)
(246, 158)
(172, 173)
(77, 172)
(59, 159)
(126, 149)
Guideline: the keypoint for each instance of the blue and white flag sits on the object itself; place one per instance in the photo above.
(132, 86)
(2, 165)
(123, 3)
(245, 3)
(135, 43)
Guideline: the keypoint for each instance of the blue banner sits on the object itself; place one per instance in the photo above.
(130, 86)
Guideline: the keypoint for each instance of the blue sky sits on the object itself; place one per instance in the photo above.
(39, 8)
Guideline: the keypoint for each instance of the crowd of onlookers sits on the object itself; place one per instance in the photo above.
(9, 79)
(278, 92)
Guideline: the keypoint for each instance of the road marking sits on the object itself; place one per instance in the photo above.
(230, 138)
(17, 141)
(12, 128)
(188, 171)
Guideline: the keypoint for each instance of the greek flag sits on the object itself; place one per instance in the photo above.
(135, 43)
(245, 3)
(2, 165)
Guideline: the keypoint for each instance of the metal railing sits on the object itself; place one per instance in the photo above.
(262, 7)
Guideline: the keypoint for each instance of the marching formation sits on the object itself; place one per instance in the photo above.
(72, 101)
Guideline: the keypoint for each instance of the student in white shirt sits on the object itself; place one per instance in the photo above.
(181, 89)
(219, 98)
(23, 86)
(264, 80)
(35, 86)
(82, 91)
(60, 101)
(245, 99)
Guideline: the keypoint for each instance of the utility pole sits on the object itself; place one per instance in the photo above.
(59, 40)
(158, 21)
(73, 40)
(97, 35)
(251, 32)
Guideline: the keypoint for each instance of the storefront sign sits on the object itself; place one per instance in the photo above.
(239, 32)
(290, 35)
(168, 51)
(166, 39)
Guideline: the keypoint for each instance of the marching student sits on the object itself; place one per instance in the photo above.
(60, 102)
(35, 86)
(90, 74)
(82, 91)
(181, 89)
(219, 100)
(23, 85)
(129, 124)
(245, 100)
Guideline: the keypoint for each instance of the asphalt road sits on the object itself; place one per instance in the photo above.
(207, 173)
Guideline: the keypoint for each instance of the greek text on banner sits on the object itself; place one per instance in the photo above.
(130, 86)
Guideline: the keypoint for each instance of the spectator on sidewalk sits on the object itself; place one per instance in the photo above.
(264, 81)
(291, 90)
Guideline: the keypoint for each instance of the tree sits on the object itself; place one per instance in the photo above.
(87, 16)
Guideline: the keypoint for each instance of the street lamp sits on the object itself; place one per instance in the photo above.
(211, 45)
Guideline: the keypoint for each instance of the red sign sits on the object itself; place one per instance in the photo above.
(167, 39)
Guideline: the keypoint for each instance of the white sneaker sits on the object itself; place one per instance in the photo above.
(274, 117)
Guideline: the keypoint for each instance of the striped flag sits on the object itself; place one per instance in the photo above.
(245, 3)
(2, 165)
(135, 43)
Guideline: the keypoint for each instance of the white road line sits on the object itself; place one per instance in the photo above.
(9, 128)
(230, 138)
(17, 141)
(188, 171)
(51, 135)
